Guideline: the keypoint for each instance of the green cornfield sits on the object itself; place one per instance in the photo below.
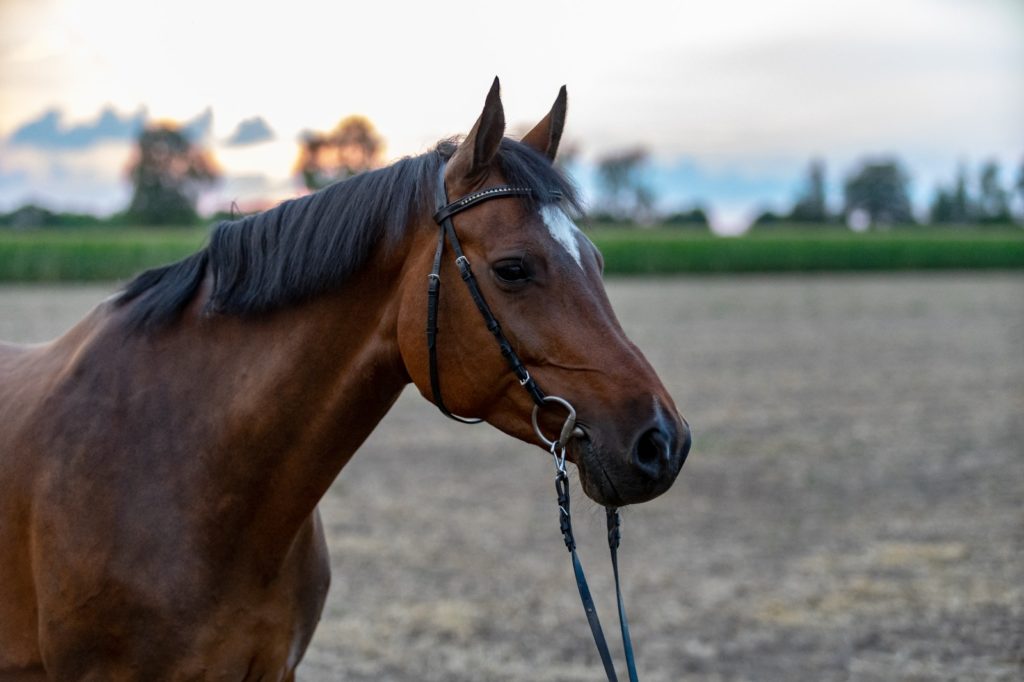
(116, 254)
(663, 251)
(91, 254)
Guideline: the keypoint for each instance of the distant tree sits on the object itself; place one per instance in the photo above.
(957, 206)
(767, 220)
(32, 216)
(942, 209)
(877, 190)
(1020, 181)
(811, 206)
(993, 200)
(694, 219)
(963, 206)
(354, 146)
(167, 174)
(624, 193)
(600, 217)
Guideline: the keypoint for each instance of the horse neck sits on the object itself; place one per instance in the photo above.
(278, 404)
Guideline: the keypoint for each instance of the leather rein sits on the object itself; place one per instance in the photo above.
(443, 217)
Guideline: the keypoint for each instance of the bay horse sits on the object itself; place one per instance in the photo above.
(161, 463)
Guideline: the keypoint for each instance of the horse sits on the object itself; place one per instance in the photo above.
(162, 461)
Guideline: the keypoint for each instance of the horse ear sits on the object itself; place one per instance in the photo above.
(546, 135)
(474, 156)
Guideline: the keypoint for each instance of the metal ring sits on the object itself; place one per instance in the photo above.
(570, 422)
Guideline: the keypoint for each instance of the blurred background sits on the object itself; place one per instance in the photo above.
(862, 113)
(811, 215)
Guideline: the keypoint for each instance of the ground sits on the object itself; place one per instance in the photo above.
(853, 508)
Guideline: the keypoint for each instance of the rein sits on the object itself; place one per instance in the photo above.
(443, 217)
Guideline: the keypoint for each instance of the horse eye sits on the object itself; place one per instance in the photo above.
(511, 271)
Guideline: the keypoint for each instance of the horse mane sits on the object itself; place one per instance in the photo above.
(308, 246)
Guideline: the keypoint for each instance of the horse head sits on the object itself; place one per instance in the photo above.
(542, 278)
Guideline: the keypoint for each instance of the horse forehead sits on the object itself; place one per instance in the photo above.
(563, 230)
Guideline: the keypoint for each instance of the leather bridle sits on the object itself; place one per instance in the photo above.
(443, 217)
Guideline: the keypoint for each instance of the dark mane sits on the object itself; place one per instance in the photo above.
(307, 246)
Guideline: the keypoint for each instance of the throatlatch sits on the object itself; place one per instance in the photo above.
(443, 217)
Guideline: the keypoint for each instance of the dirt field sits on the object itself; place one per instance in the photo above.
(853, 508)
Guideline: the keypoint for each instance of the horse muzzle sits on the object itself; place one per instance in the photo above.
(613, 475)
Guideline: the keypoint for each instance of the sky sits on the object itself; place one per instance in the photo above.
(732, 98)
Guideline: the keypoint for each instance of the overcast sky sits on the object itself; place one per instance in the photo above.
(732, 97)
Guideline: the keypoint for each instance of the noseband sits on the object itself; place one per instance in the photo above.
(443, 217)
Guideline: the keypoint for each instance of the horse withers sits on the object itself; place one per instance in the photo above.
(161, 463)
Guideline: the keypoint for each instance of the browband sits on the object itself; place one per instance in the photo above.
(448, 210)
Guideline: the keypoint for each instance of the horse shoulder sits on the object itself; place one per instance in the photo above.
(27, 374)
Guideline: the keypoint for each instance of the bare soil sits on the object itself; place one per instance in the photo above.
(853, 508)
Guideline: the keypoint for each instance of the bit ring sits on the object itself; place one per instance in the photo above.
(567, 427)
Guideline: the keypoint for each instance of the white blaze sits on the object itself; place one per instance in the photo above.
(563, 230)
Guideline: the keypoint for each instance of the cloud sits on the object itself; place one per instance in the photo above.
(48, 131)
(87, 180)
(250, 131)
(198, 129)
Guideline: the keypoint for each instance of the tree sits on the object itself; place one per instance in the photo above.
(954, 206)
(878, 192)
(811, 206)
(942, 210)
(624, 194)
(694, 219)
(963, 205)
(993, 200)
(767, 220)
(32, 216)
(1020, 181)
(354, 146)
(168, 174)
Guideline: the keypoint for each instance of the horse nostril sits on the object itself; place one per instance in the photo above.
(651, 453)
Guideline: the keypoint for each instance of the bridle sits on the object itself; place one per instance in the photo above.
(443, 217)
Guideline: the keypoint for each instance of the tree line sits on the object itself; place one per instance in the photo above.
(875, 195)
(168, 171)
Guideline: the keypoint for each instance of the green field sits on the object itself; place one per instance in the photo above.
(83, 255)
(664, 251)
(114, 254)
